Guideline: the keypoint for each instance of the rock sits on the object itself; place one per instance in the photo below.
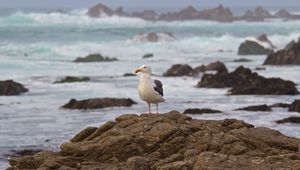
(260, 68)
(94, 58)
(171, 141)
(243, 81)
(295, 106)
(23, 152)
(200, 111)
(120, 12)
(250, 47)
(188, 13)
(98, 103)
(292, 119)
(289, 56)
(215, 66)
(283, 14)
(11, 88)
(100, 10)
(129, 75)
(153, 37)
(179, 70)
(219, 14)
(290, 45)
(262, 108)
(241, 60)
(72, 79)
(149, 55)
(147, 15)
(283, 105)
(261, 12)
(265, 39)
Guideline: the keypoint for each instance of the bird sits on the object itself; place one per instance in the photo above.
(150, 91)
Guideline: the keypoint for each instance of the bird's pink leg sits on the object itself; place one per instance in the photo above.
(149, 105)
(156, 108)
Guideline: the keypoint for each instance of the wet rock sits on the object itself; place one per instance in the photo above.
(250, 47)
(215, 66)
(265, 39)
(100, 10)
(98, 103)
(179, 70)
(295, 106)
(72, 79)
(23, 152)
(153, 37)
(172, 141)
(243, 81)
(94, 58)
(292, 119)
(290, 45)
(289, 56)
(260, 68)
(129, 75)
(146, 14)
(11, 88)
(263, 108)
(201, 111)
(242, 60)
(149, 55)
(283, 105)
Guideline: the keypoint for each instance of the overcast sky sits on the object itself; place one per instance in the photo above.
(141, 3)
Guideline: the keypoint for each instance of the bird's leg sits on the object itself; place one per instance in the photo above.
(156, 108)
(149, 105)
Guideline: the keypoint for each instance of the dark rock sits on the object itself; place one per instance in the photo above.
(179, 70)
(292, 119)
(172, 141)
(263, 108)
(261, 12)
(283, 105)
(120, 12)
(94, 58)
(129, 75)
(98, 103)
(283, 14)
(265, 39)
(11, 88)
(289, 56)
(290, 45)
(243, 81)
(241, 60)
(295, 106)
(147, 15)
(100, 10)
(260, 68)
(153, 37)
(201, 111)
(72, 79)
(215, 66)
(149, 55)
(253, 48)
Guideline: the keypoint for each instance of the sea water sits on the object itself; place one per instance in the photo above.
(37, 48)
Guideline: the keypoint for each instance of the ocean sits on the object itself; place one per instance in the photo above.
(37, 48)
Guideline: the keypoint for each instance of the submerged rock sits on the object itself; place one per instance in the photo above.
(94, 58)
(295, 106)
(170, 141)
(72, 79)
(11, 88)
(263, 108)
(241, 60)
(98, 103)
(149, 55)
(179, 70)
(214, 66)
(292, 119)
(244, 81)
(129, 75)
(153, 37)
(201, 111)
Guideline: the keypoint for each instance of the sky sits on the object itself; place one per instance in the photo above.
(143, 3)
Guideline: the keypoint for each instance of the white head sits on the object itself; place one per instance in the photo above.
(143, 69)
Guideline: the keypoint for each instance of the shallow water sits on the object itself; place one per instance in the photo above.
(52, 41)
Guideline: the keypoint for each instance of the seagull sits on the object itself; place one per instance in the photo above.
(149, 91)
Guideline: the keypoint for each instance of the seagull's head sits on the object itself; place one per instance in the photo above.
(143, 69)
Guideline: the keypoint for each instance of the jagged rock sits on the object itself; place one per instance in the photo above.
(153, 37)
(283, 14)
(98, 103)
(100, 10)
(295, 106)
(215, 66)
(188, 13)
(72, 79)
(219, 14)
(292, 119)
(250, 47)
(244, 81)
(147, 15)
(290, 45)
(179, 70)
(261, 12)
(171, 141)
(289, 56)
(201, 111)
(263, 108)
(149, 55)
(11, 88)
(94, 58)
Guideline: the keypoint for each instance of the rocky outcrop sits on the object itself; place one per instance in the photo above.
(153, 37)
(283, 14)
(243, 81)
(11, 88)
(94, 58)
(262, 108)
(259, 46)
(283, 105)
(288, 56)
(147, 15)
(179, 70)
(215, 66)
(295, 106)
(98, 103)
(73, 79)
(170, 141)
(100, 10)
(259, 14)
(201, 111)
(292, 119)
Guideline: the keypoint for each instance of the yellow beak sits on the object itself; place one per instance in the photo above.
(137, 70)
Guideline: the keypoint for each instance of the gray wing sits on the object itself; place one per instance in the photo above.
(158, 87)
